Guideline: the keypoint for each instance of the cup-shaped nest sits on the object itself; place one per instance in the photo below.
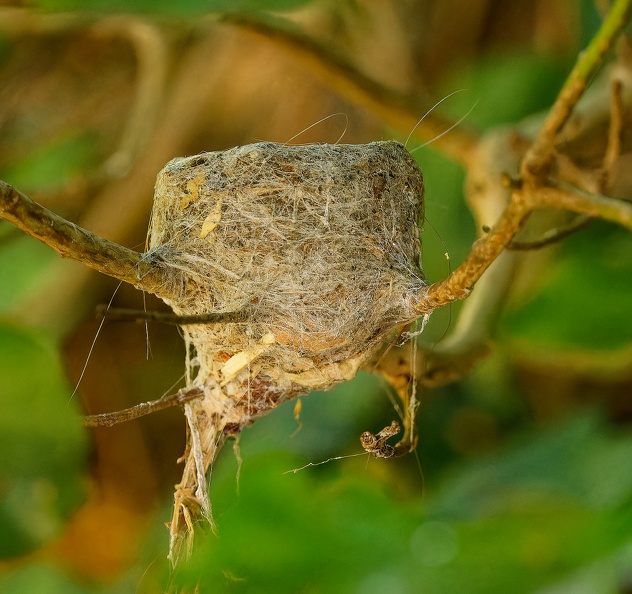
(317, 245)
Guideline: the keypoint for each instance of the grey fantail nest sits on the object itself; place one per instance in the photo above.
(313, 252)
(318, 247)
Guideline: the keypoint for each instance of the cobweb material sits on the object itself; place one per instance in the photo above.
(317, 245)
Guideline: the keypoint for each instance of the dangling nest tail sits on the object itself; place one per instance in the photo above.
(316, 246)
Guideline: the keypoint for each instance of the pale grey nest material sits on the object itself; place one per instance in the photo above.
(319, 244)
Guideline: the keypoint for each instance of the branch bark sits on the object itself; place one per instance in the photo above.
(115, 313)
(74, 242)
(140, 410)
(485, 250)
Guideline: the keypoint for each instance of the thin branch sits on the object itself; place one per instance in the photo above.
(460, 283)
(593, 205)
(539, 156)
(74, 242)
(140, 410)
(115, 313)
(431, 366)
(121, 207)
(615, 131)
(551, 237)
(485, 250)
(531, 193)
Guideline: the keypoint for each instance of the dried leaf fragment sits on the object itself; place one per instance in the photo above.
(212, 220)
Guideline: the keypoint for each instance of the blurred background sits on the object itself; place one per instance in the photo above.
(521, 481)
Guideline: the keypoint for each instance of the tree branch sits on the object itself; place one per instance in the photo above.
(74, 242)
(534, 190)
(229, 317)
(551, 237)
(539, 156)
(485, 250)
(140, 410)
(594, 205)
(615, 135)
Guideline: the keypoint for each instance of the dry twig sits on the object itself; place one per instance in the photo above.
(115, 313)
(613, 149)
(140, 410)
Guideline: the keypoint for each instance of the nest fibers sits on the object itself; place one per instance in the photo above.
(317, 245)
(316, 248)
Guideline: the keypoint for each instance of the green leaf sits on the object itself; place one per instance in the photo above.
(42, 443)
(577, 460)
(289, 530)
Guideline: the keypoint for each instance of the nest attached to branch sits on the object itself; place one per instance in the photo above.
(316, 247)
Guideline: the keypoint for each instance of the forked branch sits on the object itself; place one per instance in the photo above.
(539, 156)
(535, 190)
(460, 283)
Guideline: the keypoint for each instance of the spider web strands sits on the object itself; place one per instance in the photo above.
(423, 117)
(373, 444)
(398, 110)
(94, 342)
(295, 470)
(330, 116)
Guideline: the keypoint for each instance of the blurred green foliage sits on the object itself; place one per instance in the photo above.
(42, 443)
(583, 298)
(551, 507)
(53, 166)
(504, 87)
(23, 260)
(39, 577)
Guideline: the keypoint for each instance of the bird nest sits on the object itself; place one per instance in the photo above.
(311, 252)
